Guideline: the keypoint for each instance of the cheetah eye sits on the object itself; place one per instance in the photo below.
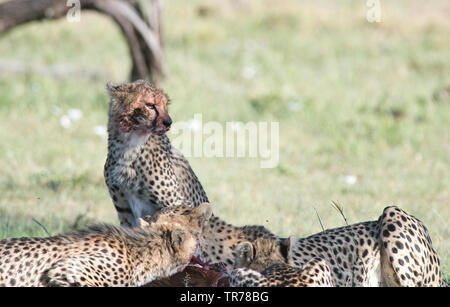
(150, 105)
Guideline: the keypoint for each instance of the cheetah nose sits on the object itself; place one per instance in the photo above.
(168, 122)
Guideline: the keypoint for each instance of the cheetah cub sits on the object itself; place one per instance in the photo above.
(103, 255)
(143, 172)
(263, 263)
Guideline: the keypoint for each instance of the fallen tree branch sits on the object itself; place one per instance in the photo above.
(143, 33)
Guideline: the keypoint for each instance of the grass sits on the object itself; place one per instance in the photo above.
(371, 104)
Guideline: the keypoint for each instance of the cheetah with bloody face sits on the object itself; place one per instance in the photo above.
(103, 255)
(143, 172)
(263, 264)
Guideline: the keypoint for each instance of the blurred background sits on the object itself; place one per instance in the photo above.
(363, 107)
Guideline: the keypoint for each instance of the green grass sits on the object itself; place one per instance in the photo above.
(364, 91)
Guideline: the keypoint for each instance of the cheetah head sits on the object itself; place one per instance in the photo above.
(261, 253)
(139, 107)
(182, 245)
(182, 215)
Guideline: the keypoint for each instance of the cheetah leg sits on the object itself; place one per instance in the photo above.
(244, 277)
(407, 256)
(70, 272)
(388, 274)
(130, 208)
(124, 212)
(316, 273)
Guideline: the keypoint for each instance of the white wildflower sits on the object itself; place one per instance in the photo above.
(294, 106)
(100, 131)
(65, 121)
(249, 72)
(75, 114)
(350, 179)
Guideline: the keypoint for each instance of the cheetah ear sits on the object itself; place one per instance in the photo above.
(114, 89)
(286, 246)
(203, 211)
(143, 223)
(245, 254)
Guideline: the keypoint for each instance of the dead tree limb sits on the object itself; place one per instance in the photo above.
(142, 32)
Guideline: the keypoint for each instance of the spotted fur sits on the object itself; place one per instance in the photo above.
(218, 240)
(143, 172)
(407, 253)
(396, 250)
(103, 255)
(263, 264)
(315, 273)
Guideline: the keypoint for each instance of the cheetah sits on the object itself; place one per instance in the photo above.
(261, 253)
(218, 240)
(362, 254)
(395, 250)
(103, 255)
(315, 273)
(263, 264)
(143, 172)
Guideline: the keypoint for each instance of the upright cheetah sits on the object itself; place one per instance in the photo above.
(103, 255)
(143, 171)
